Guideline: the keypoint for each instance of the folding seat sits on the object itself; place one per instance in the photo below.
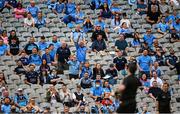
(48, 35)
(6, 24)
(24, 86)
(146, 26)
(32, 30)
(22, 29)
(37, 35)
(10, 29)
(43, 30)
(45, 104)
(46, 86)
(28, 91)
(36, 86)
(50, 25)
(51, 16)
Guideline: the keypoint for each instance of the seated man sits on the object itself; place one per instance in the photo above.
(141, 7)
(163, 27)
(154, 91)
(31, 76)
(33, 9)
(20, 99)
(171, 59)
(59, 8)
(174, 36)
(112, 72)
(153, 16)
(40, 21)
(96, 91)
(86, 81)
(35, 58)
(99, 44)
(156, 78)
(121, 44)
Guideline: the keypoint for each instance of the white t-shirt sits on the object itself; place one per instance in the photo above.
(28, 22)
(159, 81)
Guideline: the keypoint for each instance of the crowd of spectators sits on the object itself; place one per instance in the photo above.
(36, 58)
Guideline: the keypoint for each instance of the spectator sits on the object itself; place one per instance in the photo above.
(70, 7)
(106, 12)
(29, 21)
(12, 4)
(40, 21)
(35, 58)
(14, 48)
(97, 107)
(120, 62)
(33, 9)
(29, 47)
(96, 91)
(3, 48)
(112, 72)
(20, 68)
(99, 44)
(153, 16)
(145, 63)
(95, 4)
(136, 41)
(157, 47)
(86, 68)
(145, 83)
(54, 78)
(24, 59)
(74, 65)
(100, 22)
(59, 8)
(44, 66)
(31, 76)
(126, 20)
(81, 108)
(155, 78)
(3, 4)
(86, 81)
(13, 36)
(115, 22)
(152, 3)
(66, 109)
(79, 15)
(44, 78)
(42, 44)
(174, 36)
(98, 31)
(121, 44)
(98, 77)
(6, 107)
(65, 95)
(52, 50)
(97, 70)
(55, 42)
(4, 36)
(163, 27)
(20, 99)
(141, 7)
(31, 107)
(77, 35)
(107, 105)
(88, 25)
(163, 6)
(171, 59)
(107, 88)
(154, 91)
(116, 102)
(176, 26)
(62, 56)
(156, 68)
(19, 11)
(52, 95)
(49, 59)
(2, 81)
(81, 50)
(163, 100)
(78, 96)
(125, 30)
(115, 9)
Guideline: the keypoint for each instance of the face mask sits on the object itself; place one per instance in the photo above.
(97, 85)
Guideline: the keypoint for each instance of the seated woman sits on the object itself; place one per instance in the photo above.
(116, 21)
(106, 12)
(145, 83)
(40, 21)
(88, 25)
(4, 36)
(97, 70)
(52, 95)
(19, 69)
(44, 78)
(2, 81)
(44, 66)
(19, 11)
(136, 41)
(78, 95)
(125, 30)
